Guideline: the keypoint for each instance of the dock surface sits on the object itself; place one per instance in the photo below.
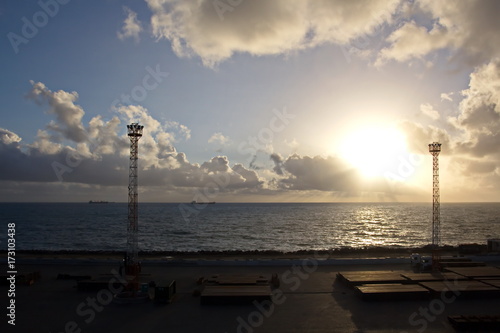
(308, 299)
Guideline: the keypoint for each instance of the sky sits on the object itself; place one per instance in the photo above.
(250, 101)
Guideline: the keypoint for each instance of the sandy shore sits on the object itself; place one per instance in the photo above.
(311, 300)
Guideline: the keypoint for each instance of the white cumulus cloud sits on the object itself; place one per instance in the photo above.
(218, 138)
(429, 111)
(215, 32)
(447, 96)
(468, 27)
(131, 28)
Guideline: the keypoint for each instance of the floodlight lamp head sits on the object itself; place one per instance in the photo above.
(434, 147)
(135, 129)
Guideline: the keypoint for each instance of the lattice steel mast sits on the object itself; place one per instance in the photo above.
(435, 149)
(132, 262)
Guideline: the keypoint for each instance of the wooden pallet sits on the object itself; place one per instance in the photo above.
(391, 292)
(475, 272)
(465, 288)
(358, 278)
(475, 323)
(491, 282)
(435, 276)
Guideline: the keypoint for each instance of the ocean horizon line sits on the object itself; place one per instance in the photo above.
(253, 202)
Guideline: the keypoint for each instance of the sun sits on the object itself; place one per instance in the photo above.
(373, 150)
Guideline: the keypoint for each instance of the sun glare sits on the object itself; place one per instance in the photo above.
(373, 150)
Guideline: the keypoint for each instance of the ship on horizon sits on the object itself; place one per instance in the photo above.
(194, 202)
(98, 202)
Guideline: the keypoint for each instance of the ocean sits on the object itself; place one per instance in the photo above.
(282, 227)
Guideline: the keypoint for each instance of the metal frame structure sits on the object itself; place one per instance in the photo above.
(131, 261)
(435, 149)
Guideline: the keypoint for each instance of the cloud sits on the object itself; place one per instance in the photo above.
(182, 131)
(215, 31)
(249, 176)
(330, 176)
(479, 176)
(100, 157)
(419, 136)
(479, 114)
(97, 153)
(216, 164)
(318, 173)
(413, 41)
(278, 163)
(480, 167)
(429, 111)
(97, 160)
(104, 138)
(61, 103)
(471, 138)
(218, 138)
(470, 27)
(8, 138)
(44, 144)
(132, 27)
(475, 131)
(447, 96)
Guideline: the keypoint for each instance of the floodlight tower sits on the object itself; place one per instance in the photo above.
(435, 149)
(131, 261)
